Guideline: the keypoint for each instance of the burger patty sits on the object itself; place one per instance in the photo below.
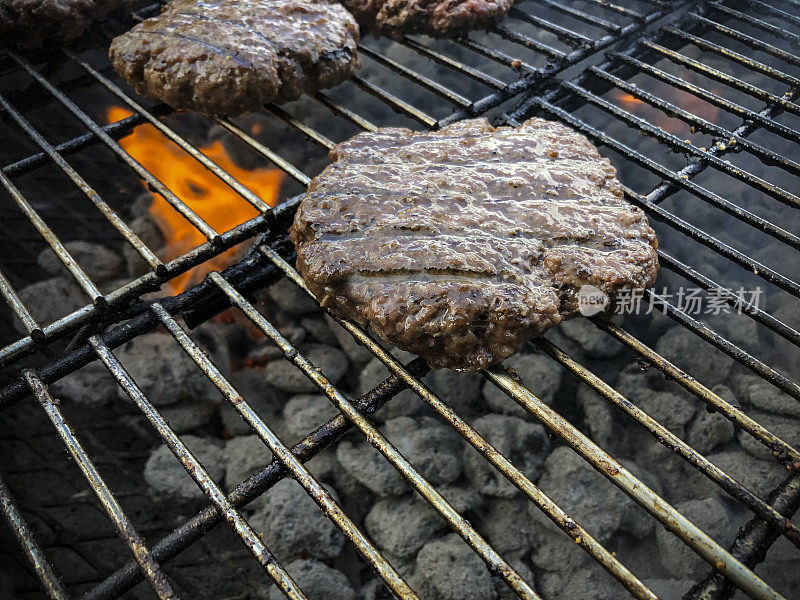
(31, 24)
(232, 56)
(462, 244)
(437, 18)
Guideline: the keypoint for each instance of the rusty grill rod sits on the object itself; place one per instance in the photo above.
(299, 472)
(699, 67)
(80, 276)
(766, 319)
(657, 507)
(201, 477)
(673, 442)
(752, 542)
(687, 148)
(124, 527)
(233, 183)
(27, 541)
(495, 563)
(754, 22)
(19, 308)
(761, 118)
(148, 281)
(767, 373)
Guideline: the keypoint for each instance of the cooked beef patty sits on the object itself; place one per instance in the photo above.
(438, 18)
(460, 245)
(232, 56)
(31, 24)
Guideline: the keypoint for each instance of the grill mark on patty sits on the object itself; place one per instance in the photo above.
(216, 49)
(426, 275)
(391, 233)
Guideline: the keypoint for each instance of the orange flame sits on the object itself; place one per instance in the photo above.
(673, 125)
(209, 197)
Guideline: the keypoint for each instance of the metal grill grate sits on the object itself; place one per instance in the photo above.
(270, 259)
(535, 48)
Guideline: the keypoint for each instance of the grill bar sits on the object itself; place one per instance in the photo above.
(19, 308)
(318, 493)
(659, 509)
(435, 87)
(730, 298)
(674, 142)
(201, 523)
(52, 586)
(748, 40)
(170, 134)
(761, 118)
(752, 543)
(460, 525)
(735, 56)
(148, 177)
(786, 104)
(124, 527)
(673, 442)
(251, 539)
(742, 357)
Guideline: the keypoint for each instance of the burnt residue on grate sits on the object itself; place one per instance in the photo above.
(613, 458)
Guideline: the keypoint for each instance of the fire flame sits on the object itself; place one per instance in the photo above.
(215, 202)
(675, 126)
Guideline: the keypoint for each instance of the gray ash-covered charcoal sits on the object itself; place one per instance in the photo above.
(540, 374)
(292, 524)
(432, 447)
(305, 412)
(168, 479)
(164, 372)
(448, 569)
(370, 468)
(461, 244)
(524, 443)
(590, 498)
(98, 262)
(93, 384)
(401, 526)
(50, 299)
(317, 580)
(189, 414)
(266, 400)
(233, 56)
(244, 456)
(404, 404)
(285, 376)
(697, 357)
(460, 391)
(712, 515)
